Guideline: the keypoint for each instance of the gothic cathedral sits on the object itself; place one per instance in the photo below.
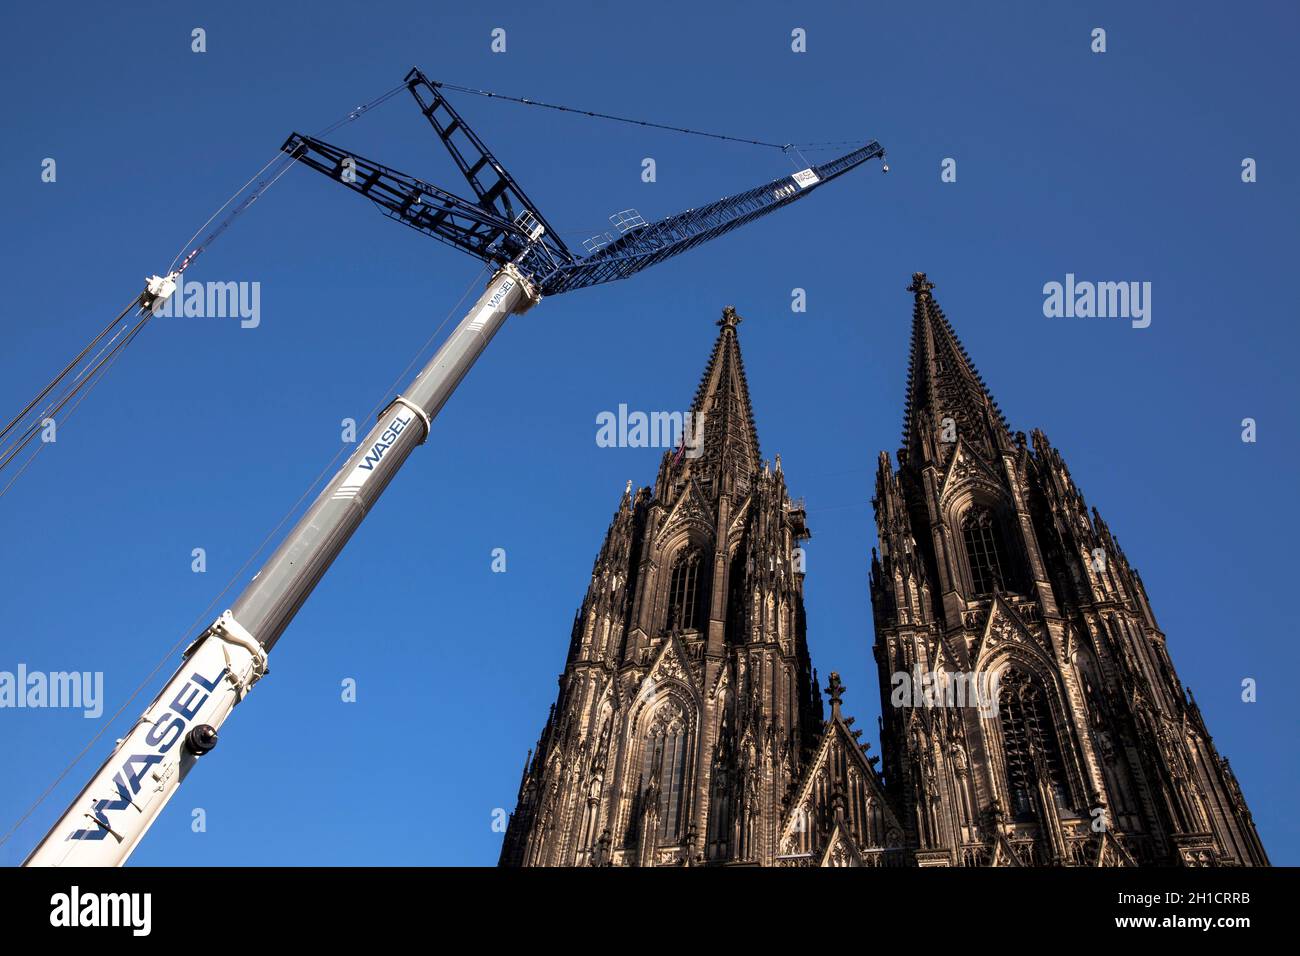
(690, 729)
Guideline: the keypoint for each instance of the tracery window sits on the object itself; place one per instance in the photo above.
(664, 766)
(984, 553)
(686, 590)
(1030, 746)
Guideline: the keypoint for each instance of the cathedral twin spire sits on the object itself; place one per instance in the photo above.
(689, 729)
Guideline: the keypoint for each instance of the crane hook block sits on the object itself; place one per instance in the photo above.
(157, 290)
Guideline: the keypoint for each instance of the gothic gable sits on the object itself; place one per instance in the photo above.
(671, 664)
(1005, 629)
(690, 510)
(721, 682)
(739, 520)
(841, 849)
(820, 796)
(1110, 852)
(966, 470)
(1004, 854)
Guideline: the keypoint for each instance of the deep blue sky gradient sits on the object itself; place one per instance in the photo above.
(1114, 167)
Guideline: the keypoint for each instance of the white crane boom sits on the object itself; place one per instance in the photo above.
(113, 812)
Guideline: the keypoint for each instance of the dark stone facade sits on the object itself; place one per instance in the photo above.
(690, 729)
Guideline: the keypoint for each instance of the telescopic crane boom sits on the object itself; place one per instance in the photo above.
(501, 226)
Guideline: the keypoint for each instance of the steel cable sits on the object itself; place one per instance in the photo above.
(283, 163)
(636, 122)
(188, 634)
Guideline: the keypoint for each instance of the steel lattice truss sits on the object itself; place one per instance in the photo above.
(501, 224)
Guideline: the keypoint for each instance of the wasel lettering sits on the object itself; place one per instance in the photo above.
(386, 441)
(162, 737)
(496, 299)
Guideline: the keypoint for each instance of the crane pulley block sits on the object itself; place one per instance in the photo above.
(157, 290)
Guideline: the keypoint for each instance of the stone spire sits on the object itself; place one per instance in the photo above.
(996, 568)
(687, 713)
(946, 397)
(730, 451)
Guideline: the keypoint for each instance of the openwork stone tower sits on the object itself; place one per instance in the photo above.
(991, 563)
(690, 729)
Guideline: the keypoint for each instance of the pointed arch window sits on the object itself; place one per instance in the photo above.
(663, 773)
(686, 590)
(1030, 746)
(985, 555)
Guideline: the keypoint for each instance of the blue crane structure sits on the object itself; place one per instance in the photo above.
(504, 228)
(501, 223)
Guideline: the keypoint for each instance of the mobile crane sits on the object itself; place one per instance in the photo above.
(500, 226)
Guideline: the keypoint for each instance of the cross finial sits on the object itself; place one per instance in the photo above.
(836, 690)
(920, 284)
(729, 318)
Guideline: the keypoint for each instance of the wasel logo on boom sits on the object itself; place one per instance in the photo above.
(162, 737)
(386, 441)
(501, 294)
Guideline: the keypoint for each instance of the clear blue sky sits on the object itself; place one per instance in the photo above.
(1118, 166)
